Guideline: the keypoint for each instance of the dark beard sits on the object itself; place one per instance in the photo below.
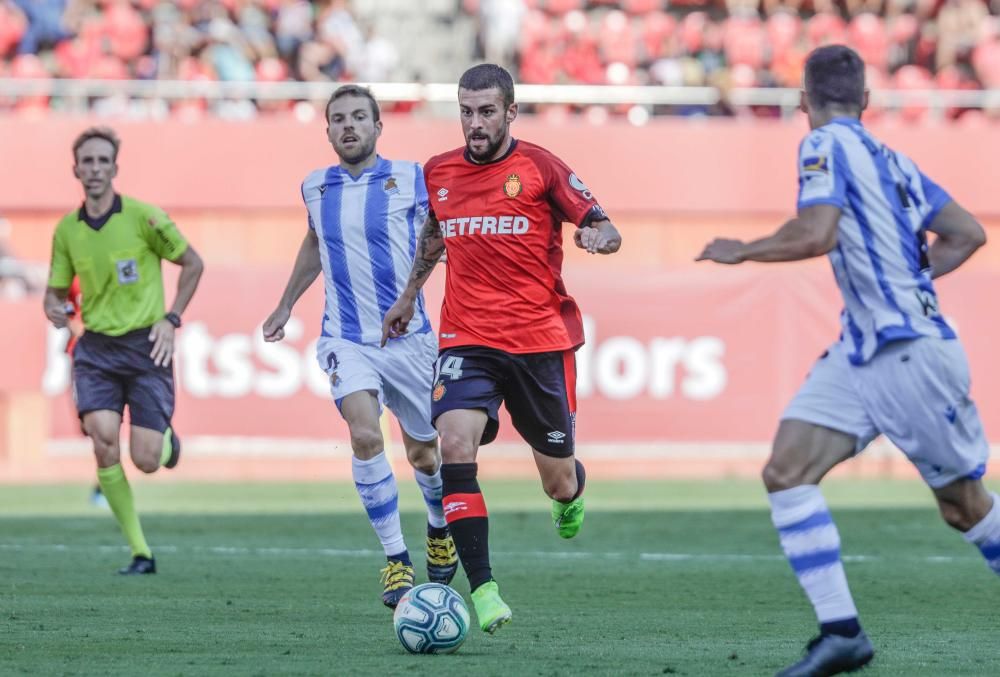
(491, 148)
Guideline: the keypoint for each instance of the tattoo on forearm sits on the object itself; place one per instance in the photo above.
(430, 247)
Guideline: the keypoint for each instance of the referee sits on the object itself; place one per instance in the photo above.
(114, 244)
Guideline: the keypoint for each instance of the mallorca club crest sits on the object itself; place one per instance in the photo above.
(438, 392)
(512, 186)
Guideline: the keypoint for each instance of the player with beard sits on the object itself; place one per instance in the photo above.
(362, 234)
(509, 329)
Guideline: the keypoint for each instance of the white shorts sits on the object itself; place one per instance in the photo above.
(401, 374)
(915, 392)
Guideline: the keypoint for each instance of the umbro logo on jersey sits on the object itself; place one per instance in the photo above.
(442, 195)
(556, 437)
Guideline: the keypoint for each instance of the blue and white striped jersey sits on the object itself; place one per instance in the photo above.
(880, 260)
(367, 228)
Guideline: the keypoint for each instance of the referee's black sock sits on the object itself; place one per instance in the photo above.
(465, 512)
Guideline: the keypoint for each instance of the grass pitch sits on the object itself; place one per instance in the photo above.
(665, 578)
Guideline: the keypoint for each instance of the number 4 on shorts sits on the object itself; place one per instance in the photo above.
(450, 366)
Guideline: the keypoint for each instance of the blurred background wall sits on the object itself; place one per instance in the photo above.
(680, 117)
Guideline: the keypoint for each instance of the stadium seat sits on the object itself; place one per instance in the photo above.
(637, 7)
(562, 6)
(692, 31)
(30, 67)
(743, 38)
(903, 28)
(912, 78)
(534, 29)
(616, 40)
(271, 69)
(986, 60)
(126, 31)
(783, 30)
(12, 27)
(867, 34)
(825, 29)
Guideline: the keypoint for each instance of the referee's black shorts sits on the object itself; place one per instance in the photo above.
(112, 371)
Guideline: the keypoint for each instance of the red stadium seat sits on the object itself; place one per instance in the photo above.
(826, 29)
(783, 31)
(654, 29)
(636, 7)
(30, 67)
(534, 29)
(562, 6)
(911, 77)
(743, 38)
(271, 69)
(986, 61)
(126, 30)
(868, 36)
(12, 27)
(108, 67)
(693, 28)
(616, 40)
(903, 28)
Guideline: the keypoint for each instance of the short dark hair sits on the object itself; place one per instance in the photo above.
(105, 133)
(488, 76)
(835, 76)
(353, 90)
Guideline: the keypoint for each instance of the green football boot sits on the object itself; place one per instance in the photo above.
(491, 611)
(568, 517)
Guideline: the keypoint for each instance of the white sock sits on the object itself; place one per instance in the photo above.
(376, 486)
(430, 487)
(812, 545)
(986, 535)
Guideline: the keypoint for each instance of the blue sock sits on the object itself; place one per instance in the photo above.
(376, 486)
(811, 543)
(986, 536)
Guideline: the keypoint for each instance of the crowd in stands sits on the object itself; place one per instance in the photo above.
(908, 44)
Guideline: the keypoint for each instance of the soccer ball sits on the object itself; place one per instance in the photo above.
(431, 618)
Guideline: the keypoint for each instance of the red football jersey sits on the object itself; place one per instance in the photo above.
(502, 226)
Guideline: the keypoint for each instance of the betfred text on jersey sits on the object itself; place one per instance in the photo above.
(484, 225)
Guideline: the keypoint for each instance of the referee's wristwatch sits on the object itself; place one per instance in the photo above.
(174, 319)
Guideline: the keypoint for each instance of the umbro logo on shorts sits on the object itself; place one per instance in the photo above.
(556, 437)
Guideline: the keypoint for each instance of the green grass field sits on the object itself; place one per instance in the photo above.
(666, 578)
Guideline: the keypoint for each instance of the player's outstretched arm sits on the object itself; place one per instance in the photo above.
(812, 233)
(959, 235)
(430, 249)
(598, 237)
(54, 305)
(307, 267)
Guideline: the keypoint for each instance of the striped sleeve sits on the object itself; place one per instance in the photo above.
(821, 180)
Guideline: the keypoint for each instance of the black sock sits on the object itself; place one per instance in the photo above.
(403, 557)
(437, 532)
(581, 480)
(849, 627)
(465, 511)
